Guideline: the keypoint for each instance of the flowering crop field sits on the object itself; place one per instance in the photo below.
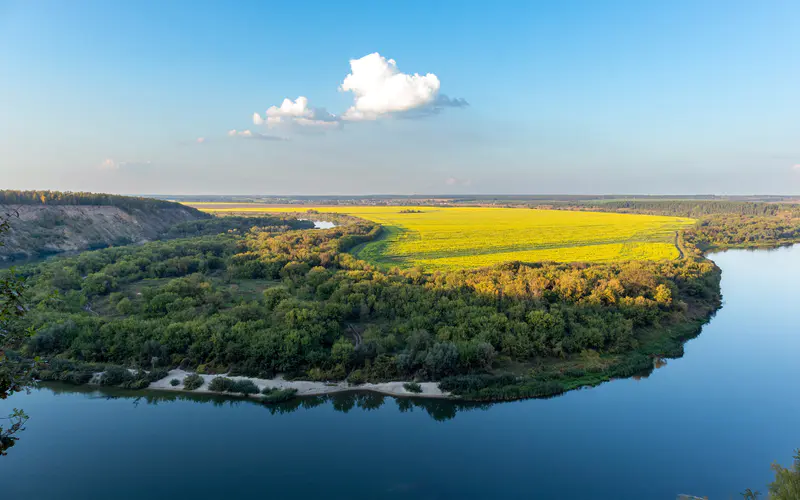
(464, 237)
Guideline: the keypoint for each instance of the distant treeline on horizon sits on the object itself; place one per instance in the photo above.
(47, 197)
(470, 198)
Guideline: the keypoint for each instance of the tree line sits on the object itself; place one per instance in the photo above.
(46, 197)
(686, 208)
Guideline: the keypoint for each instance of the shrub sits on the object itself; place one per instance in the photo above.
(221, 384)
(412, 387)
(115, 375)
(193, 381)
(356, 377)
(157, 374)
(139, 383)
(274, 395)
(174, 382)
(244, 387)
(77, 378)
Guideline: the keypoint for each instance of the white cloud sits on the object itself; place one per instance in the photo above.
(296, 112)
(380, 88)
(248, 134)
(240, 133)
(201, 140)
(111, 164)
(796, 167)
(295, 109)
(455, 181)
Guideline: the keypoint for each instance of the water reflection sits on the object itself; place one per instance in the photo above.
(344, 402)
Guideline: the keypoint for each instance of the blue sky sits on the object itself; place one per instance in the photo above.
(693, 96)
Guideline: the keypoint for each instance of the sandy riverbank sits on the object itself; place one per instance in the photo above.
(304, 387)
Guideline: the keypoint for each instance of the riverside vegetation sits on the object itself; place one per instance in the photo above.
(263, 295)
(280, 300)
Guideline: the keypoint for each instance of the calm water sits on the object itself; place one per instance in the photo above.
(707, 424)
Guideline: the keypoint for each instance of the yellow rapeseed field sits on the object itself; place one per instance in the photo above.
(460, 237)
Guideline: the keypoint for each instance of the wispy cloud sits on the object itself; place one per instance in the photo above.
(108, 164)
(455, 181)
(111, 164)
(248, 134)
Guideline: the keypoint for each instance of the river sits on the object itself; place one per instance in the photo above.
(710, 423)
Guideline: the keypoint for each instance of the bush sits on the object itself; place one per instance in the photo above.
(174, 382)
(221, 384)
(472, 383)
(157, 374)
(139, 383)
(244, 387)
(115, 375)
(77, 378)
(193, 381)
(356, 377)
(274, 395)
(412, 387)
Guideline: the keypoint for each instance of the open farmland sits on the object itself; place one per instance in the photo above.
(460, 237)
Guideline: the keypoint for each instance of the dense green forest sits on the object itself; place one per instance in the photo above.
(272, 299)
(16, 197)
(721, 224)
(729, 231)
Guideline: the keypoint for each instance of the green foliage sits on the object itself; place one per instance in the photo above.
(273, 395)
(174, 382)
(183, 302)
(687, 207)
(15, 197)
(115, 375)
(221, 384)
(192, 382)
(235, 224)
(413, 387)
(786, 485)
(156, 374)
(342, 352)
(356, 377)
(726, 231)
(244, 386)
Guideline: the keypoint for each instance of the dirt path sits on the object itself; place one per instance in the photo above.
(680, 252)
(356, 336)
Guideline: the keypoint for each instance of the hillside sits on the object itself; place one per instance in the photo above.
(85, 223)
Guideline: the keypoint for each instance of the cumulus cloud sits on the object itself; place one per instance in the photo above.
(296, 112)
(381, 89)
(248, 134)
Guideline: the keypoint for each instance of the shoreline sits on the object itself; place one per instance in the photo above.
(303, 387)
